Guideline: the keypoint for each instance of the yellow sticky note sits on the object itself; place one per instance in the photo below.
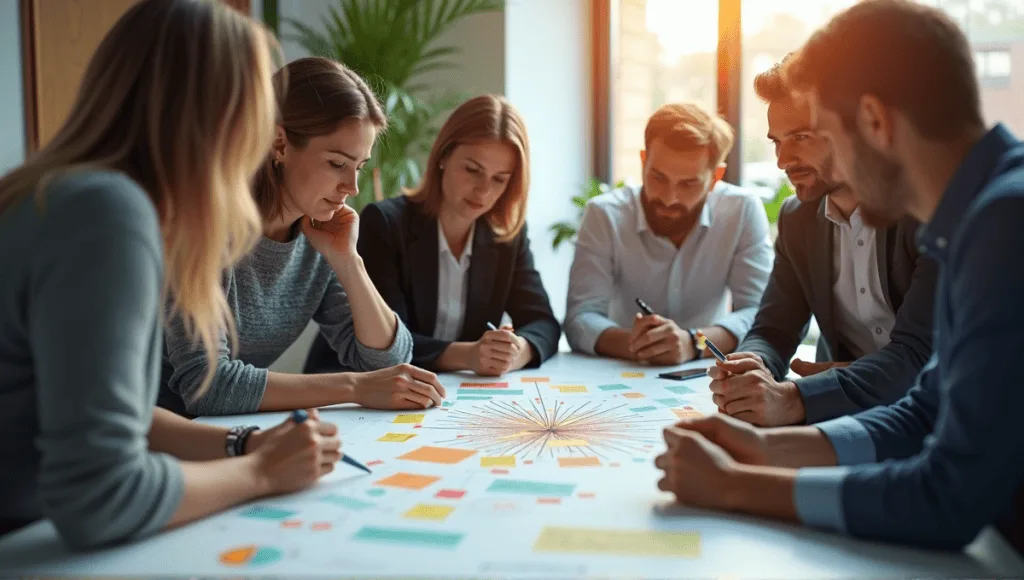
(505, 461)
(632, 375)
(633, 395)
(579, 462)
(535, 380)
(625, 542)
(568, 443)
(571, 388)
(687, 413)
(425, 511)
(396, 437)
(409, 418)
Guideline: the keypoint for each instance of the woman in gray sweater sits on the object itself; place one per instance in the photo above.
(305, 267)
(143, 189)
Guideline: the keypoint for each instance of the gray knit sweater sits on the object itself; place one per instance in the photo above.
(274, 293)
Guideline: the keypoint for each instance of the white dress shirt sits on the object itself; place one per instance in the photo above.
(863, 317)
(618, 259)
(452, 287)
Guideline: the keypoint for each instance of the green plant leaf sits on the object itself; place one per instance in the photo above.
(563, 232)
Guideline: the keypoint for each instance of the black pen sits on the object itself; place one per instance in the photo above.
(300, 416)
(644, 307)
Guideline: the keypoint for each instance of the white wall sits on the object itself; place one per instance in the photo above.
(12, 116)
(548, 78)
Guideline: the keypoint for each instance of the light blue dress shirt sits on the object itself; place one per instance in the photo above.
(618, 259)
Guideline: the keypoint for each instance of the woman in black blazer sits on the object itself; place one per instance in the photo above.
(452, 256)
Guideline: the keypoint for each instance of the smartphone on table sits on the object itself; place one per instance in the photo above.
(684, 374)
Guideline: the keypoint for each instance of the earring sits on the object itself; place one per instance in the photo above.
(440, 166)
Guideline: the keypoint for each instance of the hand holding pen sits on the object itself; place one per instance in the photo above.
(296, 453)
(658, 340)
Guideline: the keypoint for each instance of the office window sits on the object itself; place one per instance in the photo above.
(662, 51)
(993, 65)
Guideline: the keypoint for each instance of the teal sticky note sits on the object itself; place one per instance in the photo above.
(473, 398)
(681, 390)
(265, 512)
(639, 460)
(613, 387)
(643, 409)
(423, 538)
(348, 502)
(375, 492)
(488, 392)
(670, 402)
(447, 404)
(266, 556)
(532, 487)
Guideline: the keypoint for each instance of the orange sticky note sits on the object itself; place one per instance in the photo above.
(535, 380)
(687, 413)
(445, 455)
(578, 462)
(408, 480)
(632, 375)
(633, 395)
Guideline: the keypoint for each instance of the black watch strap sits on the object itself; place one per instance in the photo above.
(696, 344)
(234, 441)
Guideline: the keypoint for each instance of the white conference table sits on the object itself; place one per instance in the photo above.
(733, 546)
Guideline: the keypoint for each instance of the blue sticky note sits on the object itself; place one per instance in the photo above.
(348, 502)
(473, 398)
(681, 390)
(643, 409)
(423, 538)
(670, 402)
(265, 512)
(489, 392)
(532, 487)
(613, 387)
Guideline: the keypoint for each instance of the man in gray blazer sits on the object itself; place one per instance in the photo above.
(870, 290)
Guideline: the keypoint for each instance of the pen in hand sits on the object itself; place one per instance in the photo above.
(300, 415)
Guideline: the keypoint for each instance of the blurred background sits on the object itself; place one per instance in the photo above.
(585, 74)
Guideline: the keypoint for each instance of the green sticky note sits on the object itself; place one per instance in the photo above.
(532, 487)
(680, 390)
(613, 388)
(425, 538)
(263, 512)
(463, 392)
(473, 398)
(347, 502)
(643, 409)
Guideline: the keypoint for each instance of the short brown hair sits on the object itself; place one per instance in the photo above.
(686, 126)
(483, 118)
(910, 56)
(315, 95)
(771, 85)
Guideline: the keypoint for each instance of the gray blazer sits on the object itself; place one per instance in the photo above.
(801, 286)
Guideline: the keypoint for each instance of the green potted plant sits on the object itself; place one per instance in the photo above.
(565, 231)
(391, 43)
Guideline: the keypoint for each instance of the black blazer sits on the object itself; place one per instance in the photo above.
(801, 285)
(398, 244)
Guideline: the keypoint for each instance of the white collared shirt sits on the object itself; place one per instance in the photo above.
(452, 287)
(863, 317)
(728, 253)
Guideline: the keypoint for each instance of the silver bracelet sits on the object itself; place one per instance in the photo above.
(234, 441)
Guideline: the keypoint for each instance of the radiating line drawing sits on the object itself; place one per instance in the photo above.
(546, 428)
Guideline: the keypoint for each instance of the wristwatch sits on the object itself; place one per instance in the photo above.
(697, 353)
(234, 441)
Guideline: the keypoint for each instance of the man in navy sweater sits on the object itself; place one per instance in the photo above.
(893, 88)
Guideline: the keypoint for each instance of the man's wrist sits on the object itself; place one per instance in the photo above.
(793, 399)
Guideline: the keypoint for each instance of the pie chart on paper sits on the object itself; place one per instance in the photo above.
(250, 556)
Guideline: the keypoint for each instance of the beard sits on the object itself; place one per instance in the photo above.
(880, 186)
(669, 222)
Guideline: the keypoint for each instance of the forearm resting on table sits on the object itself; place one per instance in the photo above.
(456, 357)
(803, 446)
(213, 486)
(762, 491)
(614, 342)
(187, 440)
(723, 339)
(286, 391)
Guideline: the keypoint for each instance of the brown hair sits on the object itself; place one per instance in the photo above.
(687, 126)
(178, 97)
(319, 95)
(771, 85)
(483, 118)
(910, 56)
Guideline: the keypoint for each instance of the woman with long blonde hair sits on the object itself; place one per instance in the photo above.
(143, 193)
(452, 256)
(305, 268)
